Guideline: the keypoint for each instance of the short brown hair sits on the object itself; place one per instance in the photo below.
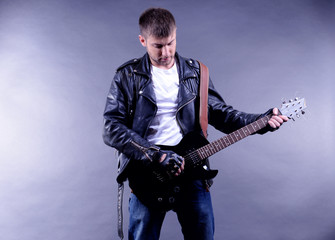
(158, 22)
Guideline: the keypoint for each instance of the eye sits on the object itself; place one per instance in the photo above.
(170, 43)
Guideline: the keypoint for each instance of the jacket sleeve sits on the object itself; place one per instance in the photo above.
(117, 131)
(224, 117)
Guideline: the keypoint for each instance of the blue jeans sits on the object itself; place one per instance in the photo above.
(194, 212)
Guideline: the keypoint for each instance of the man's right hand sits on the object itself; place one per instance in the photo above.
(170, 163)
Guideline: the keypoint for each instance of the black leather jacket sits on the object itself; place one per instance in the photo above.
(131, 106)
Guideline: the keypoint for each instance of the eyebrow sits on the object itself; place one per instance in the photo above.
(161, 45)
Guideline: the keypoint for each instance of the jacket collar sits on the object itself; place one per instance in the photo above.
(184, 67)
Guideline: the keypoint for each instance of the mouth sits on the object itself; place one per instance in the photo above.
(164, 59)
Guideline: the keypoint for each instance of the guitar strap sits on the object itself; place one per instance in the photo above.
(203, 111)
(203, 93)
(120, 210)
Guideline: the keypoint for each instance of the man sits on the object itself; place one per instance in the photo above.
(152, 104)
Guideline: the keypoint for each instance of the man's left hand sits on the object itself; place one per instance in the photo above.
(277, 120)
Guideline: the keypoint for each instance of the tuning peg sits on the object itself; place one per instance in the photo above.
(290, 100)
(303, 112)
(296, 99)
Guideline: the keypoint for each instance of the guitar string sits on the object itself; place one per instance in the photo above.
(196, 156)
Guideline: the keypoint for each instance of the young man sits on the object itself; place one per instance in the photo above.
(152, 104)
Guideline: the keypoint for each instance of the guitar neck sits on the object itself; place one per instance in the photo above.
(223, 142)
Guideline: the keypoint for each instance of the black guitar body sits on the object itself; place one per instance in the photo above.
(156, 190)
(195, 166)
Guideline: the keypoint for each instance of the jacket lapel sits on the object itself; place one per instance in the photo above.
(185, 94)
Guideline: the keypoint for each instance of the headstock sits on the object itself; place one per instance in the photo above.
(294, 108)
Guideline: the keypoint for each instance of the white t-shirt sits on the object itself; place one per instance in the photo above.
(164, 129)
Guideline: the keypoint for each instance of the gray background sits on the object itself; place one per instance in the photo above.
(57, 59)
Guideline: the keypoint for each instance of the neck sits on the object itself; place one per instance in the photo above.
(161, 66)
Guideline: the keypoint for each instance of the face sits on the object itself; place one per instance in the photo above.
(161, 50)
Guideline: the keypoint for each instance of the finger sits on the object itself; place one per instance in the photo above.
(275, 111)
(285, 118)
(174, 170)
(177, 172)
(181, 169)
(162, 158)
(273, 123)
(277, 119)
(182, 165)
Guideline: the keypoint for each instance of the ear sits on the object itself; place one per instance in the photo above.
(142, 40)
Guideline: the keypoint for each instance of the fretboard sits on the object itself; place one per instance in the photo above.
(216, 146)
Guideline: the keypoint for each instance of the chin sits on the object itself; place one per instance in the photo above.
(166, 62)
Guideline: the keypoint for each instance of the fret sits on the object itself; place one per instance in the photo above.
(206, 151)
(222, 142)
(211, 148)
(226, 141)
(253, 129)
(232, 135)
(191, 158)
(263, 122)
(198, 157)
(266, 119)
(231, 140)
(203, 152)
(217, 146)
(246, 131)
(237, 136)
(242, 132)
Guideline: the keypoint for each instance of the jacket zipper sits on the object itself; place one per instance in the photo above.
(144, 150)
(189, 101)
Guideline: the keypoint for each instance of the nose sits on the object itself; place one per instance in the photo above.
(165, 50)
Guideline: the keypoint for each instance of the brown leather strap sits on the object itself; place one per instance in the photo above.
(203, 93)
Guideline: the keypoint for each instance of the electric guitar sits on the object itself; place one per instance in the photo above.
(159, 191)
